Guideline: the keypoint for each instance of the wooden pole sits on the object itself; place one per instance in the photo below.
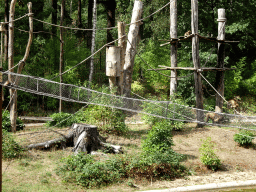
(13, 93)
(220, 61)
(196, 61)
(122, 45)
(173, 34)
(131, 45)
(1, 64)
(61, 51)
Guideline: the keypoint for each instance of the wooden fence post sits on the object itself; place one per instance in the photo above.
(173, 34)
(220, 62)
(196, 61)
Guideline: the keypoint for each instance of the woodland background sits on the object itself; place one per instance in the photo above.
(44, 55)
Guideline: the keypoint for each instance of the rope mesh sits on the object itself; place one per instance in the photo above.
(160, 109)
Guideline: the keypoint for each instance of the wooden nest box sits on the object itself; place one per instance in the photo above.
(2, 27)
(113, 64)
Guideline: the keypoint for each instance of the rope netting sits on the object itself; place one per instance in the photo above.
(161, 109)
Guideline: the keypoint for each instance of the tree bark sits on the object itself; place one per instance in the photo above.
(54, 16)
(173, 34)
(61, 51)
(6, 13)
(93, 41)
(196, 61)
(131, 46)
(85, 138)
(220, 62)
(13, 93)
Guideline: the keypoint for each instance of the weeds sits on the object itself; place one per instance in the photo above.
(244, 138)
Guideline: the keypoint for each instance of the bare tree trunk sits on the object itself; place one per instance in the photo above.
(6, 12)
(220, 62)
(13, 93)
(173, 34)
(61, 51)
(196, 61)
(93, 41)
(89, 33)
(131, 46)
(111, 8)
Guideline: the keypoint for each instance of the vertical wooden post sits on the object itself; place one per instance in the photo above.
(61, 51)
(13, 93)
(196, 61)
(220, 62)
(122, 45)
(173, 34)
(1, 31)
(131, 45)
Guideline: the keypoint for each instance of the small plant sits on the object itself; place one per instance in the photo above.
(6, 123)
(11, 149)
(244, 138)
(208, 156)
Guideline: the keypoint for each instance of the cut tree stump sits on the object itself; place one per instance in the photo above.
(85, 138)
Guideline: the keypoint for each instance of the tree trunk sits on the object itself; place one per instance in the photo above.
(54, 16)
(89, 32)
(173, 34)
(85, 138)
(61, 51)
(13, 93)
(93, 41)
(131, 46)
(111, 8)
(220, 62)
(6, 13)
(196, 61)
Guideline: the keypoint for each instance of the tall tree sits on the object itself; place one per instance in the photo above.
(54, 16)
(93, 41)
(61, 50)
(6, 12)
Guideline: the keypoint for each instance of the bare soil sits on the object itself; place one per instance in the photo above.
(238, 163)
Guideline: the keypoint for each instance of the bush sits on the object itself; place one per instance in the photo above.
(208, 156)
(159, 137)
(6, 123)
(84, 170)
(59, 118)
(107, 119)
(11, 149)
(244, 138)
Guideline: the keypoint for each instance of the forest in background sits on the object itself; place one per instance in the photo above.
(44, 54)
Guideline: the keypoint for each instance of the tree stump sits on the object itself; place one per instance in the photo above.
(85, 138)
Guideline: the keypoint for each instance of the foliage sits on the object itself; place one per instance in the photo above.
(173, 109)
(11, 149)
(138, 88)
(62, 120)
(244, 138)
(6, 122)
(208, 156)
(159, 138)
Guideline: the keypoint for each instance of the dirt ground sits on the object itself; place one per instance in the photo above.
(238, 163)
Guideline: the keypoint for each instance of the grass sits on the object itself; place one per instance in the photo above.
(36, 170)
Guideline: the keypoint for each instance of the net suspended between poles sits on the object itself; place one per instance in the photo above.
(79, 94)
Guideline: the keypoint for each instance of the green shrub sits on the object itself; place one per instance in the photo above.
(107, 119)
(208, 156)
(11, 149)
(244, 138)
(159, 137)
(84, 170)
(62, 119)
(6, 123)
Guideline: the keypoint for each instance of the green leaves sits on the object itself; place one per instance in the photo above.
(244, 138)
(208, 156)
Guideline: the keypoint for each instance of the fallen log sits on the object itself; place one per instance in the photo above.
(85, 138)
